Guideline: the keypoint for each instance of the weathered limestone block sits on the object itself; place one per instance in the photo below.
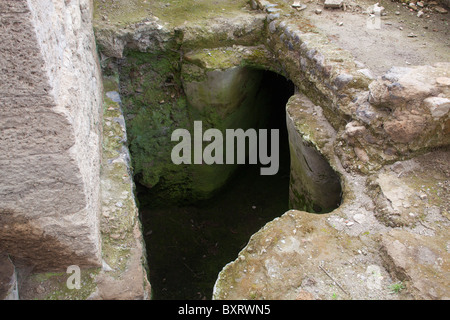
(222, 91)
(240, 29)
(333, 4)
(145, 35)
(418, 100)
(314, 185)
(300, 256)
(124, 270)
(50, 142)
(149, 33)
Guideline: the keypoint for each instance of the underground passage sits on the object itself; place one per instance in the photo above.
(188, 241)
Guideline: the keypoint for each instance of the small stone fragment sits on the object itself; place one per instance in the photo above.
(297, 5)
(40, 289)
(440, 10)
(332, 4)
(361, 154)
(412, 6)
(119, 204)
(360, 218)
(443, 81)
(304, 295)
(438, 106)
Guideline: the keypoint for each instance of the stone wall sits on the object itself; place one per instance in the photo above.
(359, 124)
(50, 102)
(314, 185)
(387, 239)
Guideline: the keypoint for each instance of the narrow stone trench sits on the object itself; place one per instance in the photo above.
(187, 246)
(189, 242)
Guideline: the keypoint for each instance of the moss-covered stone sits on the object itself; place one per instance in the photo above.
(314, 186)
(154, 106)
(162, 91)
(53, 285)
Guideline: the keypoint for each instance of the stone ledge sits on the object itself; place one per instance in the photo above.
(123, 275)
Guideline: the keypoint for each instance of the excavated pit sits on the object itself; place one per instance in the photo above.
(189, 242)
(393, 223)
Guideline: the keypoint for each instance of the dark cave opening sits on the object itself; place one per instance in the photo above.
(188, 245)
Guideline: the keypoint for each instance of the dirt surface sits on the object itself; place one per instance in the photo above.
(404, 38)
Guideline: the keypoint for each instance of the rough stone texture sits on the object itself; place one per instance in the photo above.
(385, 126)
(124, 269)
(213, 85)
(282, 260)
(145, 35)
(225, 99)
(222, 90)
(123, 272)
(397, 120)
(333, 3)
(359, 125)
(423, 261)
(418, 102)
(298, 256)
(152, 33)
(50, 143)
(314, 185)
(414, 193)
(8, 279)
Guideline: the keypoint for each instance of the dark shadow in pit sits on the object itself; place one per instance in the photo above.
(188, 246)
